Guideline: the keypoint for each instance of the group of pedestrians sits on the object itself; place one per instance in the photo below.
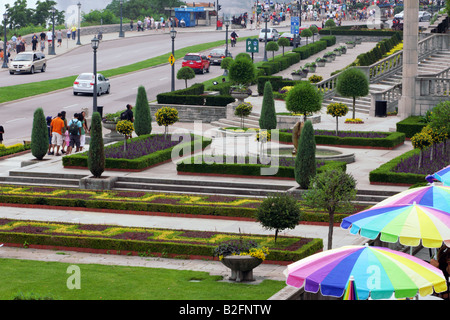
(150, 23)
(64, 134)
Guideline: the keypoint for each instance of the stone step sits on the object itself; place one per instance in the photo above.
(51, 182)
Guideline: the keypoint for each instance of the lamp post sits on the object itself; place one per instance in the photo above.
(94, 44)
(52, 51)
(173, 34)
(79, 23)
(227, 24)
(5, 55)
(266, 19)
(121, 34)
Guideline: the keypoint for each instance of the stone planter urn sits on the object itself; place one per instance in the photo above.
(358, 40)
(296, 76)
(329, 59)
(350, 45)
(110, 125)
(241, 267)
(337, 52)
(321, 63)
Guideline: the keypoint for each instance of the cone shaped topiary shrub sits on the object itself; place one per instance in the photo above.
(39, 135)
(142, 116)
(305, 161)
(268, 117)
(96, 154)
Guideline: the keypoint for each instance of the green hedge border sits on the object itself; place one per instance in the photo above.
(384, 173)
(410, 126)
(198, 166)
(392, 140)
(80, 160)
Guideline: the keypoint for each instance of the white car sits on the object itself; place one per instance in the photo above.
(272, 34)
(399, 15)
(424, 16)
(85, 84)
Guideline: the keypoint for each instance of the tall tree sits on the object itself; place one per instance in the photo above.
(96, 153)
(143, 120)
(268, 117)
(352, 83)
(39, 135)
(305, 161)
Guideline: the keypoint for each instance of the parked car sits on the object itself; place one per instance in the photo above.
(301, 28)
(289, 36)
(28, 62)
(216, 55)
(399, 15)
(272, 34)
(85, 84)
(424, 16)
(197, 62)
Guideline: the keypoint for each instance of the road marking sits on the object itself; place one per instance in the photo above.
(71, 106)
(165, 78)
(14, 120)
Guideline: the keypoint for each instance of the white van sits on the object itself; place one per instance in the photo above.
(272, 34)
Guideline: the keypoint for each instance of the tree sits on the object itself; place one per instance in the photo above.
(330, 24)
(243, 110)
(185, 73)
(440, 117)
(143, 119)
(331, 190)
(306, 33)
(166, 116)
(314, 30)
(305, 160)
(352, 83)
(304, 98)
(96, 153)
(283, 42)
(242, 71)
(272, 46)
(268, 117)
(39, 135)
(280, 211)
(337, 110)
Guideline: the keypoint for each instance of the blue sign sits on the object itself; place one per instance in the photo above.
(295, 25)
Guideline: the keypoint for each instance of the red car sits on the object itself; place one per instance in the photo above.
(197, 62)
(307, 27)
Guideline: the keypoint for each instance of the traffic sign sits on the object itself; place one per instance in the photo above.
(252, 45)
(171, 59)
(295, 25)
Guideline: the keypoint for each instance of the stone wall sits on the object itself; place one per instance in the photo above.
(188, 113)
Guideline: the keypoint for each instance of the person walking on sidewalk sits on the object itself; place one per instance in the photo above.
(34, 42)
(56, 128)
(75, 133)
(2, 131)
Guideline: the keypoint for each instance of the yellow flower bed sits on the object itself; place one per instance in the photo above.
(356, 120)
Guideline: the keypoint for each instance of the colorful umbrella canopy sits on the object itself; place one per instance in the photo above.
(350, 292)
(434, 196)
(409, 224)
(443, 176)
(378, 272)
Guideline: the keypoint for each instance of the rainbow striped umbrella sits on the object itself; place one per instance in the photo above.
(408, 223)
(443, 176)
(434, 196)
(350, 292)
(378, 272)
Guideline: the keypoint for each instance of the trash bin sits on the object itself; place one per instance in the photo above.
(100, 110)
(380, 108)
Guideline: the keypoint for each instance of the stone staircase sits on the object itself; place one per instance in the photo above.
(252, 121)
(433, 64)
(183, 186)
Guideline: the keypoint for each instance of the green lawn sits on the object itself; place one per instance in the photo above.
(101, 282)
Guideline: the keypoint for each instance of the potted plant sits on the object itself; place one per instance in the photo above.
(350, 44)
(343, 49)
(299, 74)
(240, 91)
(241, 256)
(311, 66)
(321, 62)
(358, 40)
(337, 51)
(109, 122)
(328, 56)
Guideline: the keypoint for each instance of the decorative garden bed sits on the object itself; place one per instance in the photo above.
(141, 153)
(147, 203)
(247, 166)
(14, 150)
(145, 241)
(404, 170)
(352, 139)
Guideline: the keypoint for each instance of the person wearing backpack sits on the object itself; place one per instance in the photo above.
(74, 128)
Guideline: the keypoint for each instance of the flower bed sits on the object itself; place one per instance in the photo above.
(382, 140)
(145, 241)
(141, 152)
(405, 169)
(14, 149)
(247, 166)
(140, 202)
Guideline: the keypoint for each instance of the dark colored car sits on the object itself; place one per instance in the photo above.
(217, 55)
(197, 62)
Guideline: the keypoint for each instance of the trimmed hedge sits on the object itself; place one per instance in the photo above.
(197, 165)
(5, 151)
(194, 96)
(80, 160)
(339, 31)
(277, 83)
(410, 126)
(384, 173)
(392, 140)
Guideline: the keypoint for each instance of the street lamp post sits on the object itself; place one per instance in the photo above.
(52, 52)
(173, 34)
(94, 43)
(265, 37)
(227, 24)
(5, 54)
(121, 34)
(79, 23)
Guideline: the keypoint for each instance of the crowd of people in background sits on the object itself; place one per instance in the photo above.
(64, 135)
(150, 23)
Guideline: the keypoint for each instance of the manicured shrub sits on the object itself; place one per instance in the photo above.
(272, 46)
(185, 73)
(268, 118)
(96, 153)
(39, 135)
(352, 83)
(304, 98)
(305, 161)
(142, 119)
(242, 71)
